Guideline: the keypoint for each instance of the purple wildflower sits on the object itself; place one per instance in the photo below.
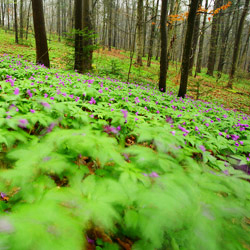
(16, 92)
(23, 123)
(202, 148)
(125, 113)
(32, 111)
(92, 101)
(169, 119)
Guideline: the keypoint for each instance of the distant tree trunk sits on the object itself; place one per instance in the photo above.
(116, 22)
(42, 53)
(110, 24)
(224, 41)
(237, 44)
(21, 19)
(87, 40)
(145, 30)
(28, 21)
(139, 37)
(152, 35)
(8, 14)
(59, 20)
(194, 41)
(202, 35)
(163, 59)
(244, 51)
(187, 48)
(78, 36)
(213, 40)
(16, 25)
(3, 7)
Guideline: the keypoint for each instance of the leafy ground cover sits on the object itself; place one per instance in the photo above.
(115, 64)
(89, 162)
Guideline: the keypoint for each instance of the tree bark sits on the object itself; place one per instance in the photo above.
(152, 34)
(87, 38)
(16, 25)
(187, 48)
(201, 42)
(213, 41)
(237, 44)
(21, 19)
(78, 36)
(163, 59)
(42, 53)
(194, 41)
(139, 37)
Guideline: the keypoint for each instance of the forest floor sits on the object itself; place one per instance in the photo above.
(115, 64)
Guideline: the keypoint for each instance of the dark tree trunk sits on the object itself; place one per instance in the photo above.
(59, 19)
(213, 40)
(16, 25)
(187, 48)
(237, 44)
(28, 21)
(21, 19)
(145, 30)
(110, 25)
(139, 35)
(194, 41)
(224, 42)
(163, 59)
(202, 35)
(42, 53)
(87, 38)
(152, 35)
(78, 36)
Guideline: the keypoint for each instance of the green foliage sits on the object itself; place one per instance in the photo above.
(81, 154)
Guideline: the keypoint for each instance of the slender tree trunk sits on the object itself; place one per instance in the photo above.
(224, 42)
(163, 59)
(187, 48)
(21, 19)
(213, 40)
(194, 41)
(237, 44)
(110, 24)
(87, 40)
(152, 35)
(28, 21)
(145, 30)
(42, 53)
(59, 20)
(139, 37)
(201, 42)
(16, 25)
(78, 36)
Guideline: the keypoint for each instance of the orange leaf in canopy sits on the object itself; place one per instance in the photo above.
(209, 19)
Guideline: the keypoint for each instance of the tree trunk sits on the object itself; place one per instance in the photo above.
(194, 41)
(59, 20)
(87, 38)
(42, 53)
(187, 48)
(201, 42)
(78, 36)
(152, 35)
(224, 41)
(28, 21)
(237, 44)
(145, 30)
(110, 24)
(163, 59)
(139, 37)
(16, 25)
(213, 40)
(21, 19)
